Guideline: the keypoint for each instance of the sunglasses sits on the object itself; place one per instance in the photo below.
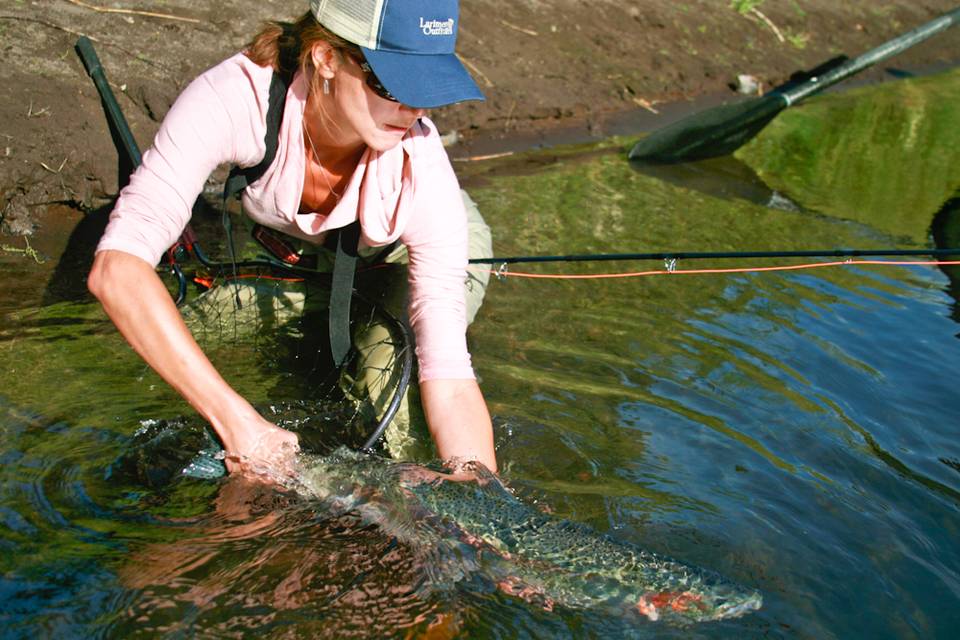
(372, 80)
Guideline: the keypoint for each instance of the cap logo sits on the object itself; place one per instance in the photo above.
(436, 27)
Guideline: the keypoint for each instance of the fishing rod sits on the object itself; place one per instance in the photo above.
(127, 144)
(717, 255)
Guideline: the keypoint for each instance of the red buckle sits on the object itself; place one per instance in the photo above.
(277, 246)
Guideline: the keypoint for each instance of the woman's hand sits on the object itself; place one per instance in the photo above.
(259, 448)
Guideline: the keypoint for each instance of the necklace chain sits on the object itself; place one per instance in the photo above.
(316, 157)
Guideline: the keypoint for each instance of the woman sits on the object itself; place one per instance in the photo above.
(353, 144)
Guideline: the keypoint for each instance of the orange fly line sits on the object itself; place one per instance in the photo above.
(502, 272)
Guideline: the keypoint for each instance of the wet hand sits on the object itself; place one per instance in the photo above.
(263, 451)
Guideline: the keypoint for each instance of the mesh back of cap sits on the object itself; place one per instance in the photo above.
(354, 20)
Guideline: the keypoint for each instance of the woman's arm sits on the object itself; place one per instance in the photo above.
(136, 300)
(459, 421)
(437, 242)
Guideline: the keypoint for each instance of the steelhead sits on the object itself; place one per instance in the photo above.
(530, 554)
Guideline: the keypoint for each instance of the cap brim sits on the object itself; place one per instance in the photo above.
(423, 81)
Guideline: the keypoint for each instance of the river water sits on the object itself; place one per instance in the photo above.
(794, 431)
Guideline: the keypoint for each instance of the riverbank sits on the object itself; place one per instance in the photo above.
(552, 70)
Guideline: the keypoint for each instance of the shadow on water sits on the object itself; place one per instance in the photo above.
(725, 177)
(68, 282)
(945, 230)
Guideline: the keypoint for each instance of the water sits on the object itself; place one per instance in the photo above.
(793, 431)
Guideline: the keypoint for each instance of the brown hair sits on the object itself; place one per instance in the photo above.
(286, 46)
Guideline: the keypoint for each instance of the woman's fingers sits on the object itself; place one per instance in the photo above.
(270, 455)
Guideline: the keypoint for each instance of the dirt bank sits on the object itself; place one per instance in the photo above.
(546, 66)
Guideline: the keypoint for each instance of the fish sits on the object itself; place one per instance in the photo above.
(539, 557)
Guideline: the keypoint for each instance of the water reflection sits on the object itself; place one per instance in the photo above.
(886, 156)
(265, 562)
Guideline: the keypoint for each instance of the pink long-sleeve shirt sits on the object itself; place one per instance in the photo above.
(408, 193)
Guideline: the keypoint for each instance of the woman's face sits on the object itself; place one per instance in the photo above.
(360, 115)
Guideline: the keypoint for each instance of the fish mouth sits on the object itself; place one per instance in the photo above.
(741, 607)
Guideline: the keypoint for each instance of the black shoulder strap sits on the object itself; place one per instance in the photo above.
(241, 177)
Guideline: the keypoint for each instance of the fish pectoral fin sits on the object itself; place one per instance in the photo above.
(514, 586)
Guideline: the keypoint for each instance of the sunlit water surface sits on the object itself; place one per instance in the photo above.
(795, 431)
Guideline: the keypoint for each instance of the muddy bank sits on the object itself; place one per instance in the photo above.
(552, 70)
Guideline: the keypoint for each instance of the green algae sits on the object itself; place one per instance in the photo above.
(887, 156)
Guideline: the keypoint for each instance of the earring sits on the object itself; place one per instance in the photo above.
(326, 86)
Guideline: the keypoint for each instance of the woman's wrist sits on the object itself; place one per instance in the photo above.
(459, 421)
(235, 421)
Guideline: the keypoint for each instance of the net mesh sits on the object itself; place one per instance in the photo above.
(267, 334)
(355, 20)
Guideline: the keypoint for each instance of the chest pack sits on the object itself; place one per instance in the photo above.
(346, 239)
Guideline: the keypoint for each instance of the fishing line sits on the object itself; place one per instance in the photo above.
(671, 269)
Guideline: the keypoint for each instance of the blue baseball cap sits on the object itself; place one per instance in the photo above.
(409, 44)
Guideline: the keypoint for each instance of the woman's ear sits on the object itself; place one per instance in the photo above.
(325, 59)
